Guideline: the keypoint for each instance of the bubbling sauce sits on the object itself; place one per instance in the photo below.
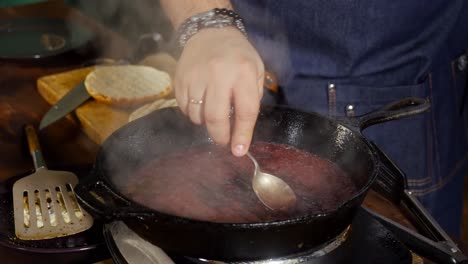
(208, 183)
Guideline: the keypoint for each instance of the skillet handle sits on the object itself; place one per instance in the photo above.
(392, 184)
(391, 181)
(437, 251)
(400, 109)
(99, 198)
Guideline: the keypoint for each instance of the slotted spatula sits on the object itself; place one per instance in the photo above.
(44, 202)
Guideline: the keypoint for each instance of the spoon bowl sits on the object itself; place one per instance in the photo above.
(272, 191)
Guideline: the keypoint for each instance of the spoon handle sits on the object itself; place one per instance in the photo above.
(253, 159)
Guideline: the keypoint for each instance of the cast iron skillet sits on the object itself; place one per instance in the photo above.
(168, 130)
(45, 40)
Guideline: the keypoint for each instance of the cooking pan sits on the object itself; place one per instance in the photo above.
(168, 131)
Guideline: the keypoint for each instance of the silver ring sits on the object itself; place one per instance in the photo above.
(193, 101)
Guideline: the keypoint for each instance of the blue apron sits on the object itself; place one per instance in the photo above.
(331, 54)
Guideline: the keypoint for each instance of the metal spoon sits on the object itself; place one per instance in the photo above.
(273, 192)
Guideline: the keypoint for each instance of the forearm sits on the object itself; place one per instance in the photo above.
(179, 10)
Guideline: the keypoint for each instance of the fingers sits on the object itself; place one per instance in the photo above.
(217, 107)
(190, 93)
(219, 68)
(196, 102)
(211, 103)
(246, 105)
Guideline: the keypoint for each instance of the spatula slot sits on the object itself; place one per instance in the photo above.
(63, 207)
(38, 209)
(50, 208)
(26, 216)
(76, 207)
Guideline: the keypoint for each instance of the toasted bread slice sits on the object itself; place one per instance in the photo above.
(127, 85)
(169, 103)
(148, 108)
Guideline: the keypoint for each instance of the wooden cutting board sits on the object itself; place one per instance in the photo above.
(97, 120)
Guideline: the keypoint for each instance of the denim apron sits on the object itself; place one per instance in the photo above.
(334, 55)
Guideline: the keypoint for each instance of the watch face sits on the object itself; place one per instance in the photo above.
(36, 38)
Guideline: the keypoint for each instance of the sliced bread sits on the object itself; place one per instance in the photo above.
(148, 108)
(127, 85)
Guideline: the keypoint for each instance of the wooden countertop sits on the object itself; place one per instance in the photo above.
(63, 143)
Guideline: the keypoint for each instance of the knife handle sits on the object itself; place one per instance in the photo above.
(34, 147)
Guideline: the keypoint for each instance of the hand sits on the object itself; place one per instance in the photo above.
(222, 69)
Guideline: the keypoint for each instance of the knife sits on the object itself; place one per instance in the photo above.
(77, 96)
(151, 42)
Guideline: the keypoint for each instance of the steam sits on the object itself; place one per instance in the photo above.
(133, 19)
(269, 37)
(130, 21)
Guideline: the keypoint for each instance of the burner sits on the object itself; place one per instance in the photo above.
(86, 247)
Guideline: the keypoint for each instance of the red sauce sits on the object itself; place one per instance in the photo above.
(209, 183)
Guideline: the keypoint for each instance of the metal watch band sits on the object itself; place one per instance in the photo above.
(216, 18)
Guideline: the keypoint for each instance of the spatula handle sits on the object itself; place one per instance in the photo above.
(34, 147)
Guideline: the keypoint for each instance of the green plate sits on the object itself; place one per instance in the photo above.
(36, 38)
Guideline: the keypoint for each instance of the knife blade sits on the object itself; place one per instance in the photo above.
(69, 102)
